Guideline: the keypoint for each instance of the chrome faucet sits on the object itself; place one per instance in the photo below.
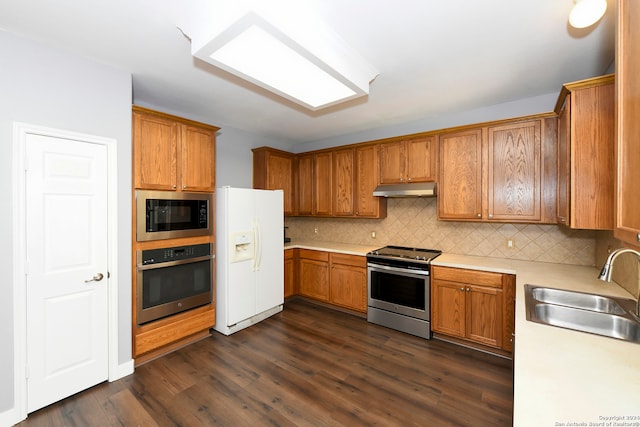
(607, 269)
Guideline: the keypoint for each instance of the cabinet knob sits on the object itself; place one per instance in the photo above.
(401, 179)
(479, 215)
(490, 216)
(638, 237)
(468, 289)
(175, 186)
(462, 289)
(409, 179)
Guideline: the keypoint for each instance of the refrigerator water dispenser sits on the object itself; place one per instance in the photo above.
(242, 247)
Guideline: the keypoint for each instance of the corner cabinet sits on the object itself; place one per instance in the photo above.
(274, 170)
(499, 172)
(627, 219)
(474, 306)
(172, 153)
(586, 167)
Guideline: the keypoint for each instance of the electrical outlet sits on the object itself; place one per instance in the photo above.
(315, 230)
(511, 243)
(373, 234)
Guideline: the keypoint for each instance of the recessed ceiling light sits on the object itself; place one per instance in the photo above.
(315, 70)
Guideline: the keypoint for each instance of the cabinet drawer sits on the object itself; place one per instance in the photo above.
(315, 255)
(353, 260)
(475, 277)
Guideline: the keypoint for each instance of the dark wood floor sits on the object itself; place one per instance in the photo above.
(308, 365)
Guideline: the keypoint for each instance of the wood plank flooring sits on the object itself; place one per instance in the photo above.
(306, 366)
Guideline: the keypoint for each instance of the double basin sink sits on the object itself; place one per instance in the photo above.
(608, 316)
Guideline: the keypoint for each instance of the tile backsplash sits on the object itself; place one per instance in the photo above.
(413, 222)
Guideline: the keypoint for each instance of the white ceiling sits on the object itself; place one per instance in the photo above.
(434, 57)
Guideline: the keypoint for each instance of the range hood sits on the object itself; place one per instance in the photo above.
(418, 189)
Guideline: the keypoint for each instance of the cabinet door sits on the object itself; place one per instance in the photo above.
(155, 146)
(460, 183)
(484, 315)
(322, 184)
(366, 180)
(628, 125)
(348, 287)
(343, 176)
(305, 185)
(421, 156)
(280, 177)
(198, 159)
(392, 160)
(289, 273)
(314, 279)
(514, 172)
(564, 157)
(448, 308)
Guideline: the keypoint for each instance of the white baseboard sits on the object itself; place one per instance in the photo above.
(9, 418)
(123, 370)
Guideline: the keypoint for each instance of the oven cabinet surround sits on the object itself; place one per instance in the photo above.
(503, 171)
(586, 167)
(473, 305)
(335, 278)
(171, 153)
(409, 160)
(627, 221)
(274, 170)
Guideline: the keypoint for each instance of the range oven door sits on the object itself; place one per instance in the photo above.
(399, 290)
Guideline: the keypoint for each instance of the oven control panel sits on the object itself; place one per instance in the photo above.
(176, 253)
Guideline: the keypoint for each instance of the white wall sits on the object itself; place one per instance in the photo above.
(48, 87)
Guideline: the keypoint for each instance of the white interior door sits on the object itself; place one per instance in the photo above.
(67, 258)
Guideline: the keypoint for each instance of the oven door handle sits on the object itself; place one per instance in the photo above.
(141, 267)
(398, 270)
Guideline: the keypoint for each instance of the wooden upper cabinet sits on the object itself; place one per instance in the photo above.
(305, 185)
(198, 159)
(322, 183)
(460, 179)
(171, 153)
(366, 180)
(503, 172)
(343, 179)
(274, 170)
(155, 152)
(627, 216)
(514, 169)
(412, 160)
(586, 167)
(421, 159)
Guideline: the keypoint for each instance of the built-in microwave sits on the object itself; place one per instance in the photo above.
(173, 214)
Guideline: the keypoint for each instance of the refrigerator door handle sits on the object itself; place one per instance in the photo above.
(257, 247)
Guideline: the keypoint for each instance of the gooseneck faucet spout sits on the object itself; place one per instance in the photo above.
(607, 269)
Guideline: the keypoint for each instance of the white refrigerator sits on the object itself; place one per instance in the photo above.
(249, 257)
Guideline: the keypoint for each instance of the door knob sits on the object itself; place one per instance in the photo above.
(98, 277)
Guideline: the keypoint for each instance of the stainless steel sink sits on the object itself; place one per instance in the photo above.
(596, 314)
(577, 300)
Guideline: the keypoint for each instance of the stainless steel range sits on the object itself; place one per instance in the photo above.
(399, 288)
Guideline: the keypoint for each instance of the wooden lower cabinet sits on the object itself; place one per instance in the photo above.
(337, 279)
(348, 281)
(289, 273)
(314, 274)
(475, 306)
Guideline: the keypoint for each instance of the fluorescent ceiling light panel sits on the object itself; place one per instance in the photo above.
(315, 75)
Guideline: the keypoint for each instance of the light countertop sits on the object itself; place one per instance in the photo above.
(343, 248)
(563, 377)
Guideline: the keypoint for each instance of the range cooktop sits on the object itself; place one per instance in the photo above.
(401, 252)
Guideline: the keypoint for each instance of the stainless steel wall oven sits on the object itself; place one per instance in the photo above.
(172, 280)
(399, 289)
